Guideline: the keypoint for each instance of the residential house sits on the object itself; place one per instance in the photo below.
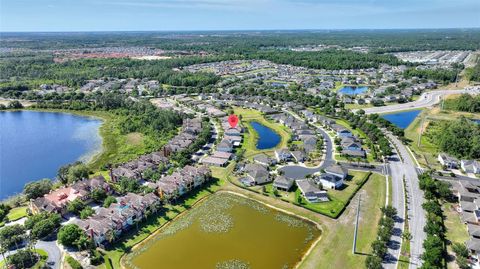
(283, 183)
(264, 160)
(447, 161)
(257, 173)
(311, 192)
(283, 155)
(225, 146)
(337, 170)
(470, 166)
(329, 181)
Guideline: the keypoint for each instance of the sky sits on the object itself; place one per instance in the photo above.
(185, 15)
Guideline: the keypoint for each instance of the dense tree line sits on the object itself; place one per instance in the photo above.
(459, 138)
(224, 41)
(443, 75)
(465, 102)
(327, 59)
(134, 116)
(379, 246)
(32, 72)
(473, 73)
(435, 192)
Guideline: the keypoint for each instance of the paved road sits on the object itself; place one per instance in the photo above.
(427, 99)
(396, 171)
(415, 214)
(298, 171)
(54, 253)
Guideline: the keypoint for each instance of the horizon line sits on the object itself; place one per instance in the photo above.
(240, 30)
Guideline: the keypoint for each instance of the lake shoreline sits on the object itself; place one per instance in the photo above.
(162, 228)
(93, 149)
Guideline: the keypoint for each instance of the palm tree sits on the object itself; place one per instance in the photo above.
(3, 251)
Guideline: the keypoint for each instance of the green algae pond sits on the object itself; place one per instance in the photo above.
(227, 231)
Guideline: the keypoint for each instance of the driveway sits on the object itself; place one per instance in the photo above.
(54, 253)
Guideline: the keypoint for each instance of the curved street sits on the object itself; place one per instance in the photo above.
(427, 99)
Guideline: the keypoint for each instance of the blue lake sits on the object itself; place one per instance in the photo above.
(352, 90)
(33, 145)
(402, 119)
(267, 138)
(477, 121)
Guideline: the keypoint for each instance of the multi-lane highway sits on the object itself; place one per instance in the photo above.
(415, 213)
(427, 99)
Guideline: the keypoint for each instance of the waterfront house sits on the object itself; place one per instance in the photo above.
(57, 200)
(337, 170)
(283, 155)
(283, 183)
(264, 160)
(257, 173)
(311, 192)
(329, 181)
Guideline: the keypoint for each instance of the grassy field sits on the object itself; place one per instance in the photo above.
(335, 249)
(456, 230)
(426, 152)
(250, 137)
(17, 213)
(338, 198)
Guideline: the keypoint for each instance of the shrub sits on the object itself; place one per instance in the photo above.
(73, 263)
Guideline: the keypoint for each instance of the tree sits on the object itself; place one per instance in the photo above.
(389, 211)
(407, 236)
(108, 201)
(379, 248)
(462, 262)
(71, 235)
(75, 206)
(86, 212)
(373, 262)
(15, 105)
(4, 209)
(77, 172)
(460, 250)
(98, 195)
(23, 259)
(37, 188)
(11, 236)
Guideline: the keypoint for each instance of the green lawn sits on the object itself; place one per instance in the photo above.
(338, 198)
(17, 213)
(250, 137)
(456, 229)
(335, 250)
(155, 222)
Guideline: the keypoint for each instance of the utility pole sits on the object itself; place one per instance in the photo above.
(421, 131)
(356, 227)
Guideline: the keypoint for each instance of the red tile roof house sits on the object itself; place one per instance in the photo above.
(108, 223)
(57, 200)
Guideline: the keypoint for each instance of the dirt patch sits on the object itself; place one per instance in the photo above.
(134, 139)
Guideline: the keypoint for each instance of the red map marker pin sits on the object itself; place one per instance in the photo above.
(233, 120)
